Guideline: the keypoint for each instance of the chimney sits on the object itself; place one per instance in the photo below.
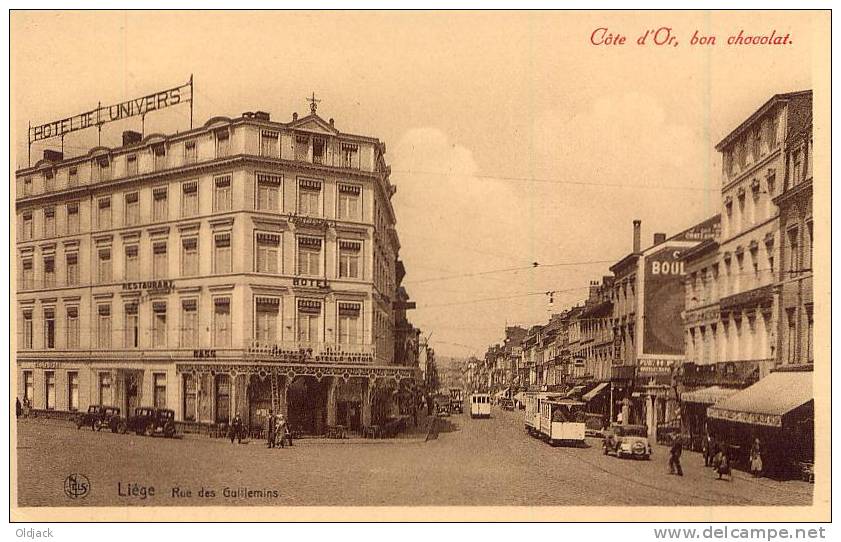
(53, 156)
(332, 122)
(659, 238)
(594, 290)
(130, 137)
(294, 116)
(637, 233)
(262, 115)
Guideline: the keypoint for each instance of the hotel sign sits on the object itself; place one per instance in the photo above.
(321, 284)
(109, 113)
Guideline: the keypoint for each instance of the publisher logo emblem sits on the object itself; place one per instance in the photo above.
(77, 486)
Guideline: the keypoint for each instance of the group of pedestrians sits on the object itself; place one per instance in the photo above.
(277, 430)
(716, 456)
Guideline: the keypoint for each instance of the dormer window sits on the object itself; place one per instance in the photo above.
(349, 154)
(27, 186)
(223, 143)
(190, 155)
(73, 176)
(131, 165)
(269, 144)
(102, 168)
(159, 156)
(318, 150)
(302, 144)
(49, 180)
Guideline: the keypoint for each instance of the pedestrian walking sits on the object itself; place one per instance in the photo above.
(756, 459)
(283, 432)
(236, 429)
(674, 456)
(709, 453)
(722, 464)
(271, 429)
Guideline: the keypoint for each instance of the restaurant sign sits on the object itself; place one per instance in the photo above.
(150, 286)
(751, 418)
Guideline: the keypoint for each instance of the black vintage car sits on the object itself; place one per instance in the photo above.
(99, 416)
(149, 421)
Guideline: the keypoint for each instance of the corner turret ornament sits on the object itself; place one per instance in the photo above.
(313, 103)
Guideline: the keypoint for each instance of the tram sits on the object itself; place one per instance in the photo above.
(480, 405)
(532, 402)
(562, 421)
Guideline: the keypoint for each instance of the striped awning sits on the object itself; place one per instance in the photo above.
(707, 396)
(767, 401)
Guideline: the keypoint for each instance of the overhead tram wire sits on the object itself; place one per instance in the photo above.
(558, 181)
(534, 265)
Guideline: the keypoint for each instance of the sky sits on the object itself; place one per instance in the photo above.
(512, 139)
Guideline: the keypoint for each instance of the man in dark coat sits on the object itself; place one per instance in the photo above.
(674, 456)
(270, 430)
(236, 429)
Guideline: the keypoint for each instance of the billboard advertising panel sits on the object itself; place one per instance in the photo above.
(663, 302)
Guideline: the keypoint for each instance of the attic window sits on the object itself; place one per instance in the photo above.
(318, 145)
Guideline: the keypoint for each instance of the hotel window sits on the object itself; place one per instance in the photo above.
(159, 204)
(27, 276)
(105, 389)
(190, 198)
(27, 330)
(318, 150)
(189, 256)
(189, 395)
(72, 268)
(268, 192)
(131, 338)
(309, 320)
(811, 244)
(349, 258)
(103, 217)
(350, 323)
(72, 391)
(159, 156)
(302, 148)
(222, 322)
(268, 250)
(223, 143)
(159, 394)
(222, 392)
(27, 186)
(49, 389)
(73, 218)
(269, 144)
(222, 193)
(132, 215)
(792, 250)
(349, 202)
(159, 324)
(102, 167)
(131, 165)
(757, 144)
(160, 268)
(222, 253)
(73, 176)
(190, 155)
(49, 271)
(104, 267)
(791, 339)
(309, 256)
(28, 386)
(72, 328)
(267, 310)
(103, 326)
(132, 264)
(49, 222)
(49, 180)
(349, 153)
(189, 336)
(810, 334)
(28, 232)
(309, 197)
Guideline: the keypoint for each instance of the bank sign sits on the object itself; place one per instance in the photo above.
(663, 303)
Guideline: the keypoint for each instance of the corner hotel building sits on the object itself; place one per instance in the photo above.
(234, 267)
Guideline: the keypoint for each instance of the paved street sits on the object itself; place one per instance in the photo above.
(474, 462)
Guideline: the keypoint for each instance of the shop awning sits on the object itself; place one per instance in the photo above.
(767, 401)
(590, 395)
(574, 391)
(707, 396)
(520, 397)
(501, 393)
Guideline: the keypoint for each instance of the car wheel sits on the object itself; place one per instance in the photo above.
(97, 425)
(604, 449)
(149, 430)
(79, 424)
(122, 428)
(169, 430)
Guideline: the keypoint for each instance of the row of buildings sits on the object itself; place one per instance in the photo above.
(243, 265)
(709, 331)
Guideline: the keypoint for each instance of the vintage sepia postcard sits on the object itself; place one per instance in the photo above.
(420, 265)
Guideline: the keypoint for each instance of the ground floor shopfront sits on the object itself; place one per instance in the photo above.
(312, 397)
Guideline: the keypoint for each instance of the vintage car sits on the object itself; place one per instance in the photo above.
(627, 441)
(97, 417)
(149, 421)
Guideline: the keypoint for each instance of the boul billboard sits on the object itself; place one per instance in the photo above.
(663, 303)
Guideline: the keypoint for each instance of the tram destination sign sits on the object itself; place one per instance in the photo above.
(104, 114)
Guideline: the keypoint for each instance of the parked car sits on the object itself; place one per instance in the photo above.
(627, 441)
(150, 421)
(506, 404)
(97, 417)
